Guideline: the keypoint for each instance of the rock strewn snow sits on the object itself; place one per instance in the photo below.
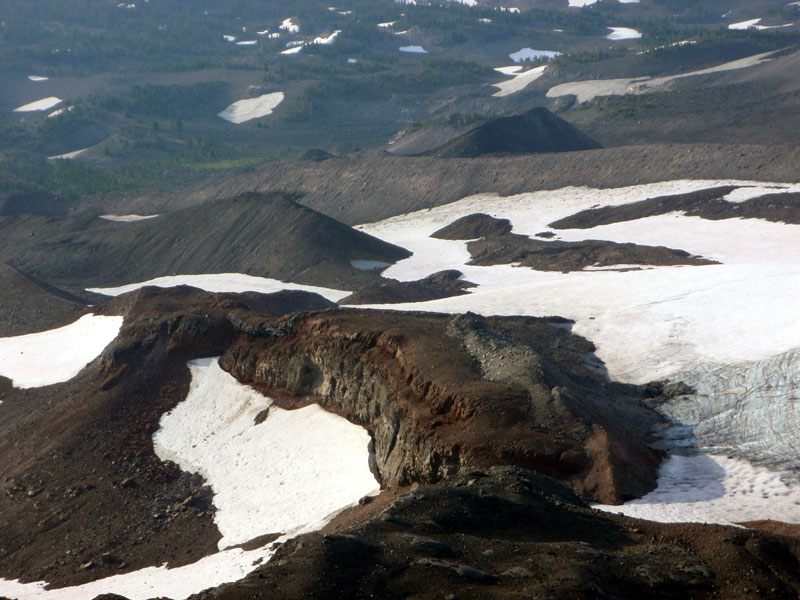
(251, 108)
(708, 488)
(57, 355)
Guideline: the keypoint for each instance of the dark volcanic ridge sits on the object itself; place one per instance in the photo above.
(364, 189)
(447, 400)
(28, 305)
(263, 235)
(443, 284)
(708, 204)
(33, 203)
(504, 533)
(494, 244)
(438, 393)
(535, 131)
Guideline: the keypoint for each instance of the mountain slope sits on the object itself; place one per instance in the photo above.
(27, 305)
(263, 235)
(535, 131)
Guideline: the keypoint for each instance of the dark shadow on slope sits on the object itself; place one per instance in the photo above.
(535, 131)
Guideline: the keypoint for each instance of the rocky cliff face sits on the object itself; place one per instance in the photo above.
(439, 393)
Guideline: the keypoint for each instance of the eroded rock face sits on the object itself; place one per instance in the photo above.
(440, 393)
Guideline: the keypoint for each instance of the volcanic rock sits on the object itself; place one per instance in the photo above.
(535, 131)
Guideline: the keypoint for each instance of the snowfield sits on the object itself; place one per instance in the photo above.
(729, 330)
(57, 355)
(43, 104)
(251, 108)
(282, 475)
(584, 91)
(224, 282)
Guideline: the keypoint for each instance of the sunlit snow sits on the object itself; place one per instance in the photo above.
(37, 78)
(127, 218)
(67, 155)
(623, 33)
(531, 54)
(57, 355)
(225, 282)
(43, 104)
(251, 108)
(520, 80)
(290, 26)
(744, 24)
(584, 91)
(728, 330)
(287, 474)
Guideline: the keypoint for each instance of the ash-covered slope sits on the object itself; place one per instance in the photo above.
(535, 131)
(28, 305)
(508, 533)
(265, 235)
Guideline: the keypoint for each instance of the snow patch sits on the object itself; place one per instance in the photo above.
(287, 474)
(151, 582)
(585, 91)
(413, 49)
(369, 265)
(742, 25)
(531, 54)
(247, 43)
(37, 78)
(43, 104)
(520, 81)
(57, 355)
(623, 33)
(290, 26)
(251, 108)
(68, 155)
(128, 218)
(327, 40)
(224, 282)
